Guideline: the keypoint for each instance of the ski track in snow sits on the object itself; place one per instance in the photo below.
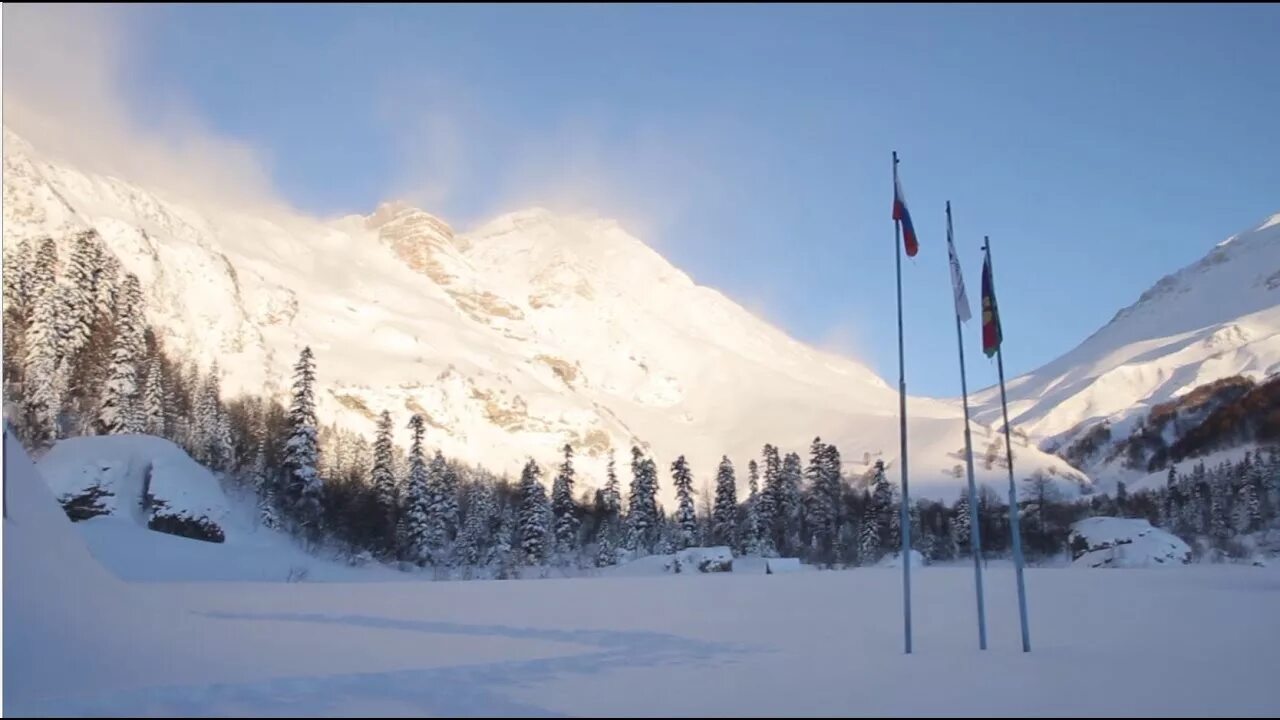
(467, 690)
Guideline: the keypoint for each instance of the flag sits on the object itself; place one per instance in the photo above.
(957, 281)
(901, 214)
(991, 335)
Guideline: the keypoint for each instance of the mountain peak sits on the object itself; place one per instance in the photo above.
(400, 211)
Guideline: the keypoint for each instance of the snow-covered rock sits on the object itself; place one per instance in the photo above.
(1110, 542)
(706, 560)
(144, 478)
(895, 560)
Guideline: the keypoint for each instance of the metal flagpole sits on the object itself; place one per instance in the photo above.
(975, 543)
(905, 522)
(1014, 527)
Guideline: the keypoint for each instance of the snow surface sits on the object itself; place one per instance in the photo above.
(529, 332)
(1127, 543)
(78, 641)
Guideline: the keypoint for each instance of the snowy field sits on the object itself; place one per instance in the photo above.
(1167, 642)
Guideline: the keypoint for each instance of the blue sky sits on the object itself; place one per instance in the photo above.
(1100, 146)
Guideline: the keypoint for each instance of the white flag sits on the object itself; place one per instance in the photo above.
(957, 281)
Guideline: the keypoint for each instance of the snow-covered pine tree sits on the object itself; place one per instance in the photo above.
(686, 530)
(883, 505)
(770, 506)
(80, 306)
(606, 551)
(565, 509)
(869, 538)
(792, 505)
(893, 538)
(19, 299)
(1168, 514)
(265, 490)
(301, 454)
(383, 479)
(225, 442)
(823, 500)
(43, 376)
(642, 517)
(751, 544)
(1248, 511)
(504, 556)
(438, 497)
(417, 501)
(475, 541)
(612, 494)
(452, 518)
(121, 389)
(960, 532)
(1219, 508)
(917, 537)
(724, 517)
(534, 514)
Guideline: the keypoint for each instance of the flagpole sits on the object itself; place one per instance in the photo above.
(905, 522)
(1014, 528)
(975, 543)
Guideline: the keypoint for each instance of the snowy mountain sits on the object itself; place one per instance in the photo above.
(1217, 318)
(512, 339)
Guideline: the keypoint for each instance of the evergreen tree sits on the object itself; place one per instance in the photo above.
(1219, 509)
(791, 507)
(223, 443)
(643, 519)
(416, 516)
(1168, 512)
(869, 538)
(265, 490)
(1122, 503)
(475, 540)
(961, 532)
(612, 496)
(121, 391)
(751, 542)
(153, 407)
(1248, 509)
(724, 515)
(823, 516)
(301, 452)
(384, 480)
(533, 515)
(43, 375)
(564, 508)
(611, 510)
(606, 552)
(80, 306)
(882, 503)
(770, 510)
(436, 539)
(686, 531)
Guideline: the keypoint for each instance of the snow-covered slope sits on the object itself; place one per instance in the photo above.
(1213, 319)
(532, 331)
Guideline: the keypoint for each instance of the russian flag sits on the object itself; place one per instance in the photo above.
(903, 216)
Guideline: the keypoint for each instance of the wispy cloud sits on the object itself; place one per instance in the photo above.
(65, 90)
